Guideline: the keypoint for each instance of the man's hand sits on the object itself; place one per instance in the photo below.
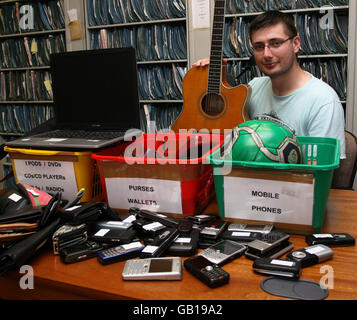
(205, 62)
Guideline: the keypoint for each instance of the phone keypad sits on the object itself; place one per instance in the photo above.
(272, 236)
(112, 251)
(214, 272)
(137, 267)
(213, 254)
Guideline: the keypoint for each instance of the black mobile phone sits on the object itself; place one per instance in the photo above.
(114, 236)
(214, 229)
(278, 267)
(331, 239)
(268, 241)
(148, 228)
(159, 217)
(311, 255)
(185, 244)
(241, 236)
(275, 252)
(209, 273)
(161, 242)
(202, 218)
(68, 235)
(81, 251)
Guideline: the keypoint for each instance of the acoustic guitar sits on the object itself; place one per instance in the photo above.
(209, 101)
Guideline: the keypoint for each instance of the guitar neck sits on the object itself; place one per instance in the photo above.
(215, 66)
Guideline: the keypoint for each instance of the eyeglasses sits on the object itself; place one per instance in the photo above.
(272, 44)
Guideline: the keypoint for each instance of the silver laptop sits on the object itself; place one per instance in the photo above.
(96, 100)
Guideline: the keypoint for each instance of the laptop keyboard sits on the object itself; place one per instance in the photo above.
(82, 134)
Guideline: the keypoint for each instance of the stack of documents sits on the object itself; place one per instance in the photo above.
(152, 42)
(25, 85)
(320, 38)
(23, 118)
(159, 117)
(333, 71)
(30, 51)
(104, 12)
(161, 82)
(47, 15)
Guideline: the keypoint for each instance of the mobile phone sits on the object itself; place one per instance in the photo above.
(168, 268)
(274, 253)
(159, 217)
(223, 252)
(113, 224)
(161, 242)
(206, 271)
(185, 244)
(268, 241)
(248, 227)
(311, 255)
(80, 252)
(278, 267)
(331, 239)
(214, 229)
(68, 235)
(241, 236)
(202, 218)
(120, 253)
(113, 235)
(147, 228)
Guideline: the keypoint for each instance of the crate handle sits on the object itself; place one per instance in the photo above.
(38, 152)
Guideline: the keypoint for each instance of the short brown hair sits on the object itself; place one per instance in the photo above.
(272, 18)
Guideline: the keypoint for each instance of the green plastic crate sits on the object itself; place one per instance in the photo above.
(321, 157)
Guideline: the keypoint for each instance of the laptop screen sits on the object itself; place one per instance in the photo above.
(96, 89)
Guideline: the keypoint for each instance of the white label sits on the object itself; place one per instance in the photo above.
(116, 223)
(153, 225)
(323, 235)
(282, 263)
(72, 15)
(151, 194)
(48, 176)
(150, 249)
(132, 245)
(240, 234)
(102, 232)
(315, 249)
(15, 197)
(268, 200)
(129, 219)
(72, 208)
(183, 240)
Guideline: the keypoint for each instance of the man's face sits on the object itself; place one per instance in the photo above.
(274, 60)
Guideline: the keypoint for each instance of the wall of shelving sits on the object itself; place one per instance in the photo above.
(29, 33)
(105, 34)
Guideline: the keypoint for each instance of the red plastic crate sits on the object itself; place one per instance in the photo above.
(162, 172)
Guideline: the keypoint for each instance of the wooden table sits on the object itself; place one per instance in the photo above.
(90, 280)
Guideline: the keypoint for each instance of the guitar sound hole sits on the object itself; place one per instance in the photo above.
(212, 104)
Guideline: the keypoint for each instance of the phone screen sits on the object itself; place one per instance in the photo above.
(227, 247)
(258, 227)
(162, 265)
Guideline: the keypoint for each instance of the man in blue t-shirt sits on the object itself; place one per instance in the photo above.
(305, 104)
